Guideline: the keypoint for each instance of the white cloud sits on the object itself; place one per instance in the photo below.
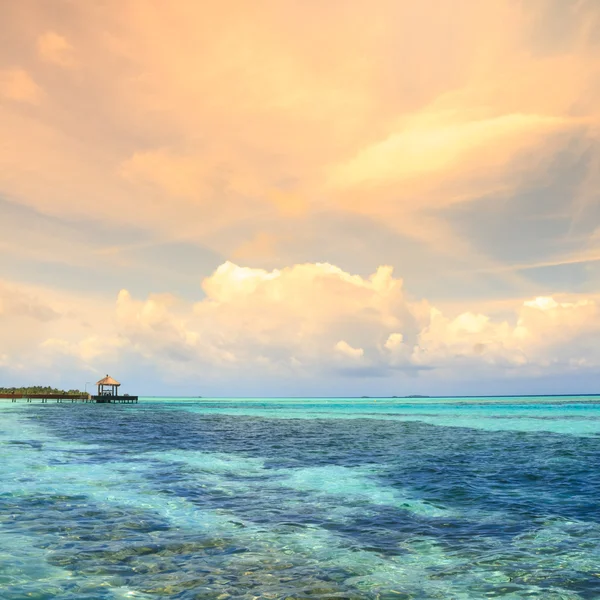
(546, 332)
(304, 320)
(345, 349)
(312, 318)
(301, 312)
(468, 336)
(153, 329)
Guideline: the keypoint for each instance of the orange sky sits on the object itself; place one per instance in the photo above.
(195, 189)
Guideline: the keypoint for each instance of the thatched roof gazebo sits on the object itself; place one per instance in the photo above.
(108, 386)
(108, 393)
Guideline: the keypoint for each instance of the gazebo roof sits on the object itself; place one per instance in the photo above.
(108, 381)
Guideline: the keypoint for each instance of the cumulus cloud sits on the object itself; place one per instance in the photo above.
(468, 336)
(345, 349)
(545, 333)
(312, 313)
(316, 318)
(153, 329)
(43, 331)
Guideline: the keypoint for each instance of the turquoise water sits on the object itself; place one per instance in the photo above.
(301, 498)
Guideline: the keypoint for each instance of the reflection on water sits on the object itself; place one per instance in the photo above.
(300, 499)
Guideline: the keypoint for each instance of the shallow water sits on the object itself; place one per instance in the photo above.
(299, 498)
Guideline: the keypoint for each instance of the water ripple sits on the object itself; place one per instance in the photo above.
(160, 502)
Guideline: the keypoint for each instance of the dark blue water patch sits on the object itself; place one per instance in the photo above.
(381, 528)
(528, 473)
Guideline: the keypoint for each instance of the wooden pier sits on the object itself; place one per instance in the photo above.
(115, 399)
(108, 393)
(72, 398)
(45, 397)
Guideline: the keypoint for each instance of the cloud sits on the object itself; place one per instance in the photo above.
(312, 319)
(153, 329)
(177, 176)
(54, 48)
(442, 158)
(313, 316)
(545, 334)
(263, 245)
(89, 352)
(229, 131)
(348, 351)
(470, 337)
(203, 125)
(305, 317)
(39, 326)
(16, 84)
(16, 303)
(307, 314)
(240, 135)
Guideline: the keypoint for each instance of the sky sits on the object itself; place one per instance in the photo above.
(286, 197)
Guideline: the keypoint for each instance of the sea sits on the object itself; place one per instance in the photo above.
(320, 498)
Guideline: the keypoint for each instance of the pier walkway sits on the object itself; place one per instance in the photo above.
(73, 398)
